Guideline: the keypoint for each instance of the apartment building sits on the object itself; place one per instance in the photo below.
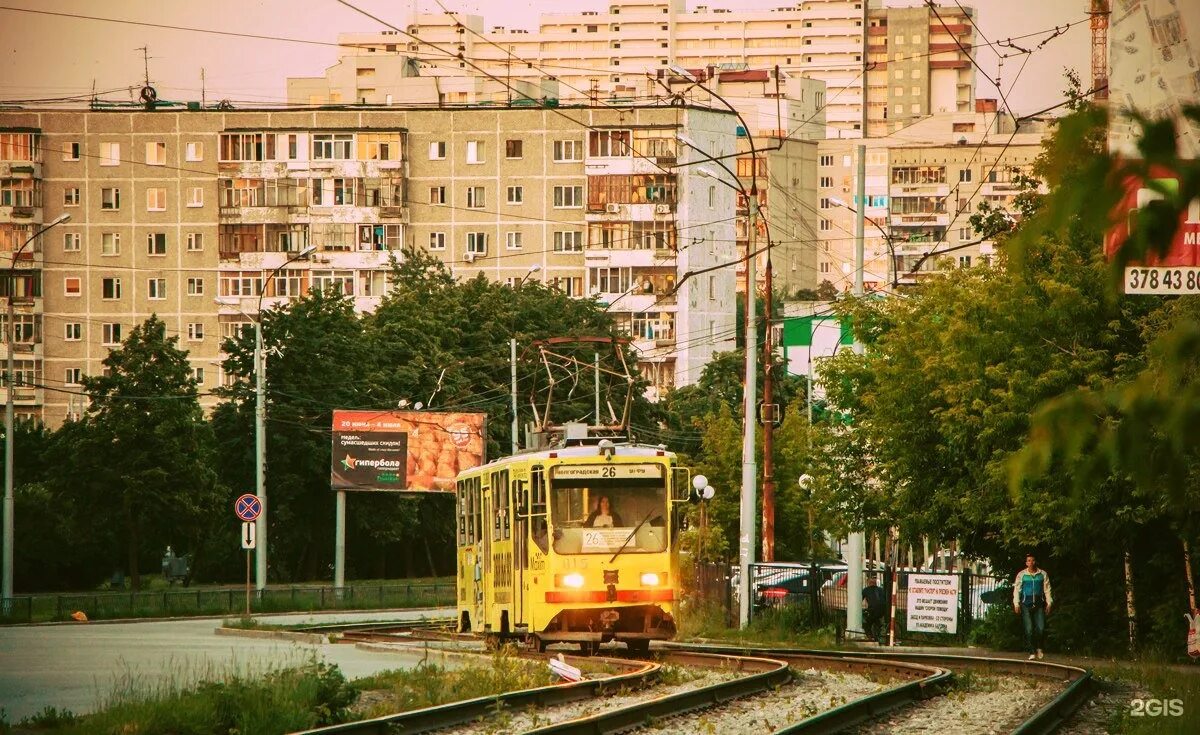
(922, 186)
(881, 65)
(184, 214)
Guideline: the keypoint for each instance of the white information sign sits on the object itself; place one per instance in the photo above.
(604, 539)
(248, 537)
(607, 471)
(933, 603)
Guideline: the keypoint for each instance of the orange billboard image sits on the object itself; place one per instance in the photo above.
(418, 451)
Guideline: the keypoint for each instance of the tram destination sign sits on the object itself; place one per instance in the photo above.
(417, 451)
(608, 471)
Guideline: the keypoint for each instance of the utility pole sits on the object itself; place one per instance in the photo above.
(768, 417)
(856, 540)
(749, 474)
(260, 449)
(596, 362)
(203, 91)
(512, 358)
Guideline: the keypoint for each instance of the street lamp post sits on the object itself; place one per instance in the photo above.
(6, 586)
(260, 424)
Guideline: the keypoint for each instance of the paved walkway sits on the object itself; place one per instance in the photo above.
(76, 666)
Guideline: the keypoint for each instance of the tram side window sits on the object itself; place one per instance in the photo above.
(476, 494)
(462, 513)
(497, 505)
(469, 502)
(541, 533)
(506, 503)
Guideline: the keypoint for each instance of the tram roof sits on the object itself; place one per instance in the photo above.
(585, 450)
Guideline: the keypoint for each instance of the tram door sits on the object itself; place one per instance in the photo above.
(520, 547)
(485, 555)
(476, 572)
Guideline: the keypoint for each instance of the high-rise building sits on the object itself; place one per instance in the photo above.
(921, 188)
(172, 210)
(912, 62)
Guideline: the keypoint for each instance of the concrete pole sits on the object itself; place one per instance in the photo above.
(512, 358)
(768, 501)
(596, 363)
(856, 540)
(339, 543)
(749, 470)
(260, 454)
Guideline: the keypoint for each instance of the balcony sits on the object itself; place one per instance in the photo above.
(394, 212)
(920, 219)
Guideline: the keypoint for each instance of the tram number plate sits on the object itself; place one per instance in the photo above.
(1159, 280)
(599, 539)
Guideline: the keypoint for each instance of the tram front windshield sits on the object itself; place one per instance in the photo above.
(592, 513)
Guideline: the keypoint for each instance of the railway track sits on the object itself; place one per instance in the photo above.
(911, 678)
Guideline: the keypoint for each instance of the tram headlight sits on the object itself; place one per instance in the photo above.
(650, 579)
(574, 579)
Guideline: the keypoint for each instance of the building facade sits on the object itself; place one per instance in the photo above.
(183, 215)
(922, 186)
(881, 66)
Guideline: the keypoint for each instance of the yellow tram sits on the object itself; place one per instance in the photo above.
(575, 544)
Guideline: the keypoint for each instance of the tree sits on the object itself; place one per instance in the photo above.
(140, 461)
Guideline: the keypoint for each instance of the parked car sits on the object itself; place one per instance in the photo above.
(784, 582)
(833, 594)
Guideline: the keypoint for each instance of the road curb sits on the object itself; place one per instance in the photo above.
(286, 635)
(226, 616)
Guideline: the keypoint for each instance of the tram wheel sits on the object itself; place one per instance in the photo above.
(538, 643)
(639, 647)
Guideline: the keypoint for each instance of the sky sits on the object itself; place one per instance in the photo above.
(49, 56)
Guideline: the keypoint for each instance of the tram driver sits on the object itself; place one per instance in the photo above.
(602, 515)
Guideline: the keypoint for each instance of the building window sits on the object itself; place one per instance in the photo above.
(110, 243)
(73, 376)
(195, 331)
(437, 150)
(110, 289)
(72, 151)
(825, 181)
(72, 286)
(916, 91)
(293, 147)
(824, 267)
(477, 243)
(964, 175)
(196, 196)
(437, 195)
(475, 199)
(110, 198)
(568, 285)
(475, 151)
(514, 149)
(608, 143)
(195, 242)
(568, 197)
(71, 196)
(156, 243)
(379, 146)
(241, 283)
(569, 241)
(333, 147)
(516, 194)
(71, 242)
(156, 154)
(195, 287)
(194, 151)
(437, 241)
(73, 331)
(156, 199)
(110, 154)
(964, 261)
(568, 150)
(111, 334)
(156, 288)
(824, 203)
(826, 225)
(512, 240)
(198, 375)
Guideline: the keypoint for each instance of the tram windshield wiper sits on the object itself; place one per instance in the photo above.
(632, 534)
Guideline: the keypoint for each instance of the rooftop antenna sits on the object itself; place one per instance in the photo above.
(203, 92)
(149, 96)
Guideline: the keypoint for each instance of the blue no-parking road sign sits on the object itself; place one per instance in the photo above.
(247, 507)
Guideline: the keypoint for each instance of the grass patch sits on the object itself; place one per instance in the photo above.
(973, 681)
(1153, 680)
(785, 626)
(270, 702)
(429, 684)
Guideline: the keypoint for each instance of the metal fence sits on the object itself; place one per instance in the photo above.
(815, 593)
(223, 601)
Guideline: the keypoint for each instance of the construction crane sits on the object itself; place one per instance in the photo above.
(1099, 12)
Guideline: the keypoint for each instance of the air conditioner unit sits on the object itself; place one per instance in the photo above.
(662, 208)
(470, 256)
(612, 208)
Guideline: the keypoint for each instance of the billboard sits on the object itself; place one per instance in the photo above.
(1154, 68)
(418, 451)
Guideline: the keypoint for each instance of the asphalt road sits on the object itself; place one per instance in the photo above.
(78, 666)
